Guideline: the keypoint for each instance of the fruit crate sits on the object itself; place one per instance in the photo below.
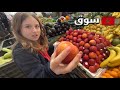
(90, 74)
(10, 70)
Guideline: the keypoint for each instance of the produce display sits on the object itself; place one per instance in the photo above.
(7, 57)
(114, 58)
(57, 29)
(111, 33)
(94, 47)
(99, 43)
(111, 73)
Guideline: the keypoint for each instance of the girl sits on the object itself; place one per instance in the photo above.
(31, 49)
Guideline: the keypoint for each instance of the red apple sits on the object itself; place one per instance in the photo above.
(97, 66)
(98, 60)
(82, 43)
(81, 48)
(85, 57)
(86, 45)
(75, 39)
(91, 62)
(92, 55)
(67, 32)
(86, 64)
(70, 37)
(97, 41)
(93, 48)
(70, 30)
(90, 36)
(92, 69)
(84, 35)
(86, 51)
(77, 44)
(67, 36)
(86, 40)
(75, 34)
(80, 32)
(78, 40)
(92, 42)
(63, 45)
(79, 36)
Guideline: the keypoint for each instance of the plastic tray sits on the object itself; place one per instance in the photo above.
(90, 74)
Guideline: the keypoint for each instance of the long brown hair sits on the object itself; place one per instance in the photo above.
(27, 44)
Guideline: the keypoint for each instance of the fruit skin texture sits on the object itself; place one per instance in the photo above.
(73, 51)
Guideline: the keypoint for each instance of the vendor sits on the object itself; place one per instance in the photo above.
(30, 52)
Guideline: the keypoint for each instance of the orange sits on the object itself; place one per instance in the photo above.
(116, 70)
(107, 75)
(107, 71)
(103, 77)
(114, 74)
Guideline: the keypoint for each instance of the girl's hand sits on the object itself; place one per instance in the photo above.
(58, 68)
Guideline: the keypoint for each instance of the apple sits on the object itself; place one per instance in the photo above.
(75, 34)
(93, 33)
(75, 39)
(91, 62)
(63, 45)
(79, 36)
(92, 55)
(67, 32)
(97, 66)
(93, 48)
(85, 57)
(98, 60)
(78, 40)
(86, 64)
(86, 45)
(90, 37)
(92, 42)
(86, 40)
(86, 51)
(92, 69)
(70, 37)
(80, 32)
(84, 35)
(70, 30)
(67, 36)
(82, 43)
(97, 41)
(77, 44)
(81, 48)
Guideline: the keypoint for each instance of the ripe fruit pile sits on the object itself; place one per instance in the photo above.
(111, 73)
(114, 58)
(93, 47)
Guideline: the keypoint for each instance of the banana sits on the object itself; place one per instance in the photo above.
(117, 58)
(111, 56)
(113, 64)
(109, 36)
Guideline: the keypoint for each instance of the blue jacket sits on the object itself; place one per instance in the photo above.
(34, 65)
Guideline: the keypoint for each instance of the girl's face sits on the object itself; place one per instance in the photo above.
(31, 29)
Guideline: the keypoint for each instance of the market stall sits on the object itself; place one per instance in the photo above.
(99, 43)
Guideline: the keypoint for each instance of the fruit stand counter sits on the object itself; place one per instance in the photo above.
(10, 70)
